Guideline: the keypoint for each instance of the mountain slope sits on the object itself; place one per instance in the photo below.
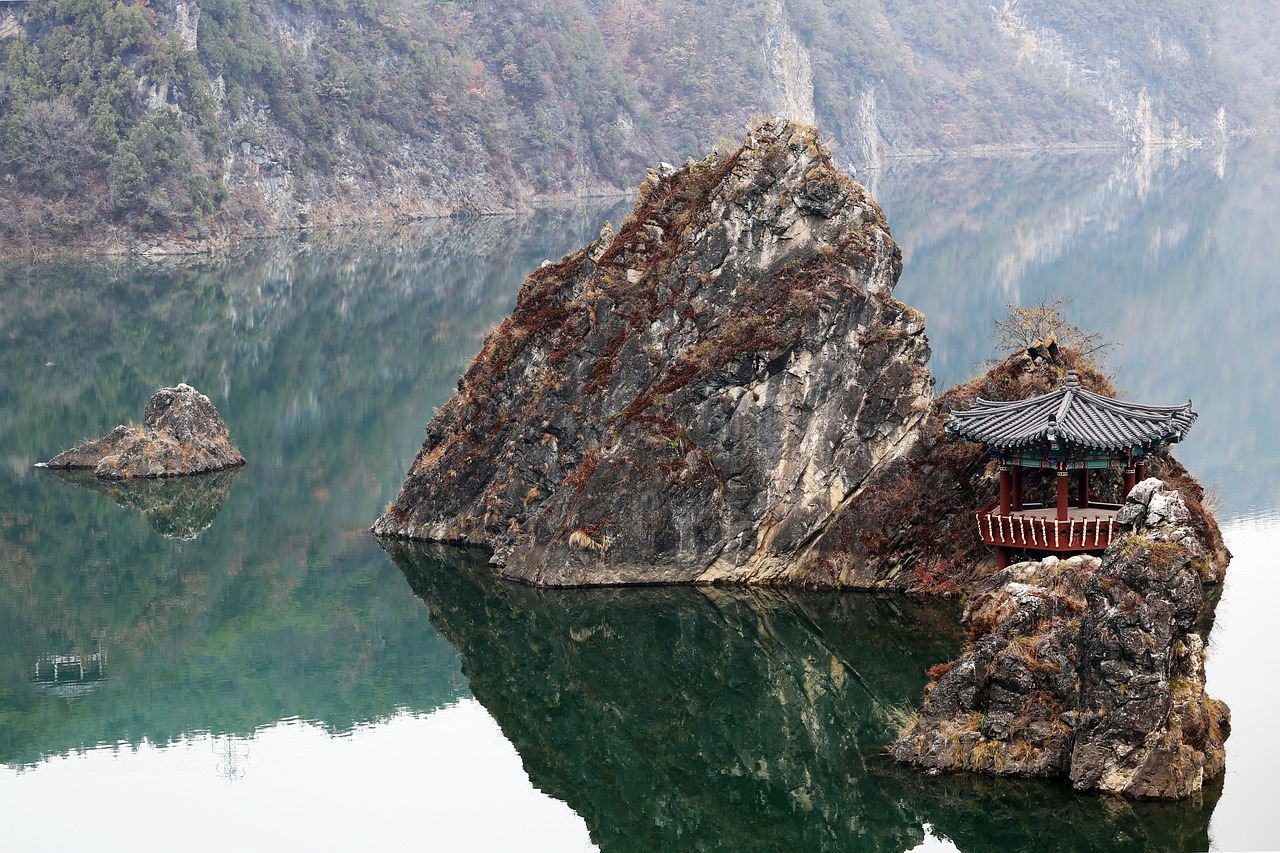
(198, 119)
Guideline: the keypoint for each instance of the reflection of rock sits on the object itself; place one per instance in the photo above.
(688, 718)
(182, 434)
(683, 718)
(980, 814)
(1087, 668)
(177, 507)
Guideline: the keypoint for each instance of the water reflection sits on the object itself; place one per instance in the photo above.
(325, 358)
(699, 718)
(444, 781)
(110, 654)
(694, 718)
(70, 676)
(987, 815)
(176, 507)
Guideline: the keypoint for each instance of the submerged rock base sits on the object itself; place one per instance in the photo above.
(1088, 668)
(182, 434)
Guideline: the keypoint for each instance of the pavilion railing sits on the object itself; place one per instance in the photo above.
(1040, 533)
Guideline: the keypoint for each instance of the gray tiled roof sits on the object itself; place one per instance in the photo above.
(1071, 415)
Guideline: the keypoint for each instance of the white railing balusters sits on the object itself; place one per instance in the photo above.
(1032, 529)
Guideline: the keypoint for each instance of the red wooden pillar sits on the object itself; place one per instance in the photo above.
(1062, 494)
(1141, 472)
(1017, 488)
(1082, 489)
(1002, 557)
(1006, 490)
(1130, 479)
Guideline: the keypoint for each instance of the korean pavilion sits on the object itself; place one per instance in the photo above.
(1072, 431)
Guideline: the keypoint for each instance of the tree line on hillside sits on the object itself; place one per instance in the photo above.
(132, 114)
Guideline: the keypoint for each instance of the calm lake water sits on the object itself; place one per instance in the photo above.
(236, 663)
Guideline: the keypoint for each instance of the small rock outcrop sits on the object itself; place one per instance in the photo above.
(691, 399)
(1146, 726)
(1087, 668)
(182, 433)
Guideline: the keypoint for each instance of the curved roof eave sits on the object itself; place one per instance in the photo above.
(1073, 415)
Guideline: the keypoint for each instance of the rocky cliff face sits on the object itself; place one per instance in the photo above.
(1146, 726)
(692, 398)
(1087, 668)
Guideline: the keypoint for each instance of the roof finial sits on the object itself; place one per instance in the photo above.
(1072, 380)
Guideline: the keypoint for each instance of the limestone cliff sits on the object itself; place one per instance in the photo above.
(691, 399)
(1087, 668)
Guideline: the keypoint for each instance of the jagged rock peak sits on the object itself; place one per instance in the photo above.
(1085, 668)
(691, 398)
(182, 433)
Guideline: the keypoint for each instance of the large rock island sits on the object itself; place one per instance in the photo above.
(726, 391)
(692, 399)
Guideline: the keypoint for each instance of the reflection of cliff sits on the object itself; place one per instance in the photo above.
(84, 340)
(1001, 225)
(689, 718)
(177, 507)
(324, 357)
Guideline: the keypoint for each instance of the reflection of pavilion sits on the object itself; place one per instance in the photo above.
(1067, 430)
(70, 676)
(232, 752)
